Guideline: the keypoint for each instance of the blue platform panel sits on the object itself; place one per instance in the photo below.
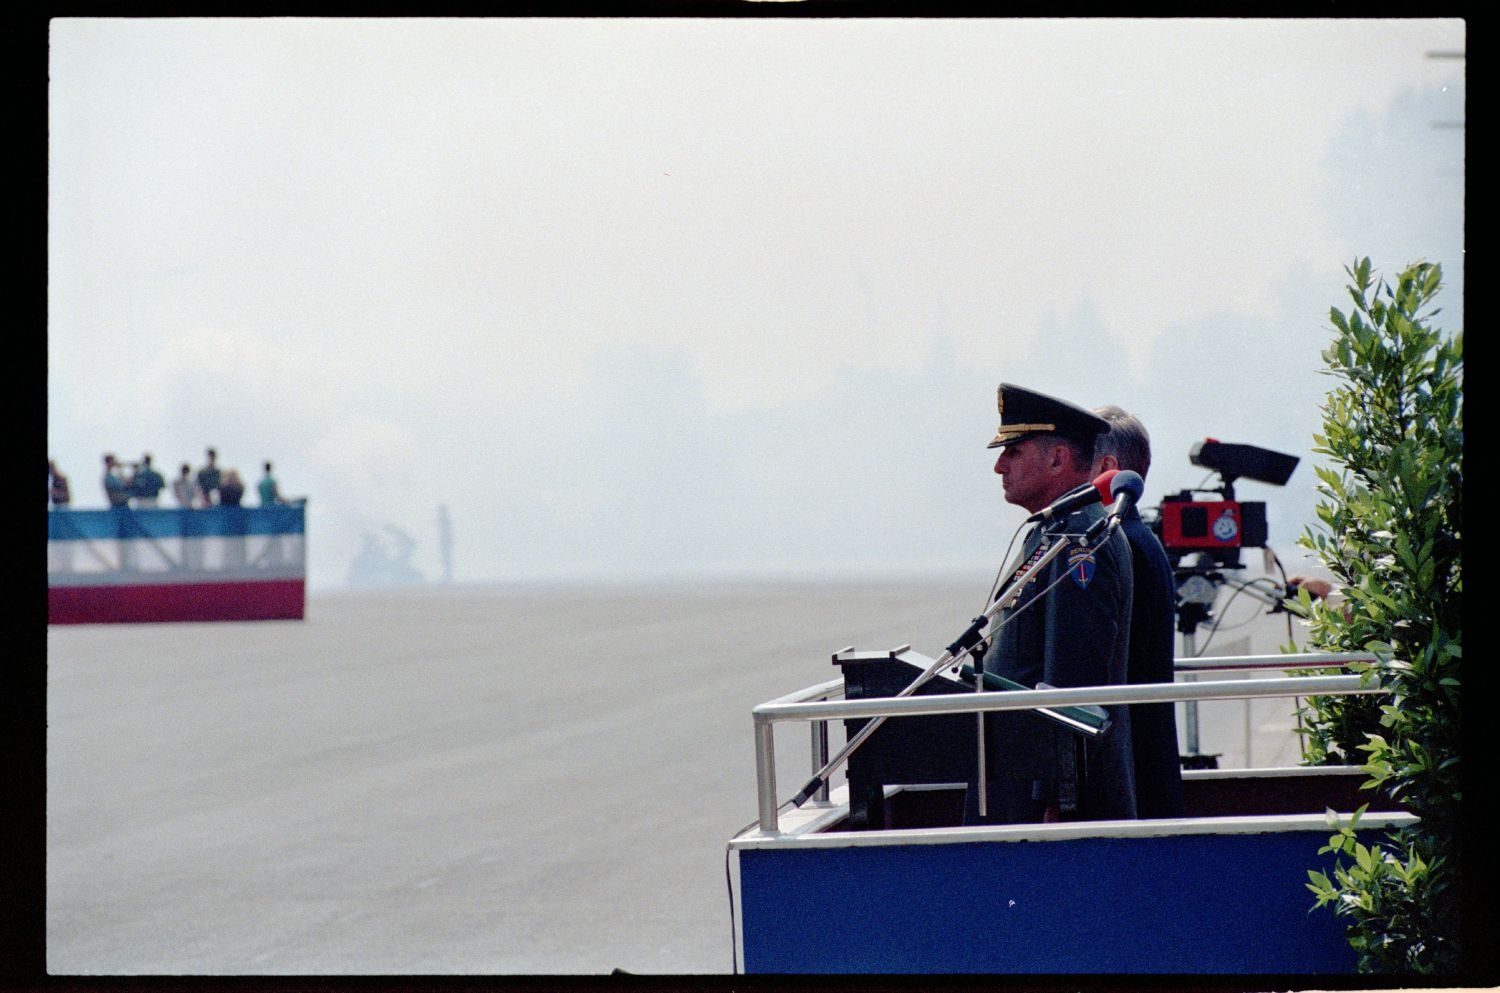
(1188, 903)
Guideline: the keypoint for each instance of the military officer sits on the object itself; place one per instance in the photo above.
(1070, 626)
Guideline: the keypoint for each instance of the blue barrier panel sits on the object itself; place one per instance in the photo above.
(1228, 903)
(171, 522)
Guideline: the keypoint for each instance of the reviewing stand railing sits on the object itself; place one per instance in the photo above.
(815, 704)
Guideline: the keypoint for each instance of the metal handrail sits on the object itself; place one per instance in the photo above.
(765, 745)
(812, 704)
(1247, 663)
(1190, 668)
(1077, 696)
(821, 691)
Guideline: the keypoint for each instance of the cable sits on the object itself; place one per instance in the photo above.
(1279, 567)
(987, 640)
(995, 585)
(1219, 621)
(734, 943)
(1285, 585)
(734, 934)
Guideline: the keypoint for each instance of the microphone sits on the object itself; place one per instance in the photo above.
(1127, 488)
(1096, 491)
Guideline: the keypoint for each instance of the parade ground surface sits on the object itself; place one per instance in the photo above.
(492, 780)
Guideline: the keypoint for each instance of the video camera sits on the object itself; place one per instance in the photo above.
(1218, 529)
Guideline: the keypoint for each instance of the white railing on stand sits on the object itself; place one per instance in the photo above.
(815, 704)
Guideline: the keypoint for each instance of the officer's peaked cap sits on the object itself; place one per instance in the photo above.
(1024, 413)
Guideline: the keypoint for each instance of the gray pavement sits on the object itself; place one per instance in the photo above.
(491, 781)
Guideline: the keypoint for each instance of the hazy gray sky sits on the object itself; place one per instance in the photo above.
(649, 296)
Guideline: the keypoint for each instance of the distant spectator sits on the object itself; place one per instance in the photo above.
(58, 494)
(208, 479)
(146, 484)
(116, 486)
(1321, 589)
(184, 489)
(269, 494)
(1315, 587)
(231, 489)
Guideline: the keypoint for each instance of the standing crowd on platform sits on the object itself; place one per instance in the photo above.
(139, 485)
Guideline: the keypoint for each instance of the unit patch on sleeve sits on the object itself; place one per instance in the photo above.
(1081, 566)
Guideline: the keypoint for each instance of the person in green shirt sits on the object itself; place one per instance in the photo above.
(269, 494)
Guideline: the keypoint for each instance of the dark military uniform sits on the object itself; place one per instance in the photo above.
(1077, 633)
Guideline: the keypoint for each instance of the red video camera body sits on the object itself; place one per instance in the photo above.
(1218, 527)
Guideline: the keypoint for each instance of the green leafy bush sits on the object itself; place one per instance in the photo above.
(1390, 527)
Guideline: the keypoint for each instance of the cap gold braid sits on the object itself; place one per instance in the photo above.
(1008, 433)
(1023, 428)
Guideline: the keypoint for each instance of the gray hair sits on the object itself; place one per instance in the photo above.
(1126, 440)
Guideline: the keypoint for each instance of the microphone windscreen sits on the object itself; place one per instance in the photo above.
(1128, 482)
(1103, 483)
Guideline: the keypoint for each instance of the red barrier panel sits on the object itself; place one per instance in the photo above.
(280, 599)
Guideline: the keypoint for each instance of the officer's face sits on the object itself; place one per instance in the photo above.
(1028, 468)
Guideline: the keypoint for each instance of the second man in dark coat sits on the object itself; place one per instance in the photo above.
(1153, 726)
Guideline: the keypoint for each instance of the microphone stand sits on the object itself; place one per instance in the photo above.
(965, 643)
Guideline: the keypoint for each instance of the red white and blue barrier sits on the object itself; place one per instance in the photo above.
(161, 564)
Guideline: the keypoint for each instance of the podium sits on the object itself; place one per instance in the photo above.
(935, 753)
(906, 751)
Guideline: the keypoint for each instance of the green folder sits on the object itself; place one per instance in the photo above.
(1087, 720)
